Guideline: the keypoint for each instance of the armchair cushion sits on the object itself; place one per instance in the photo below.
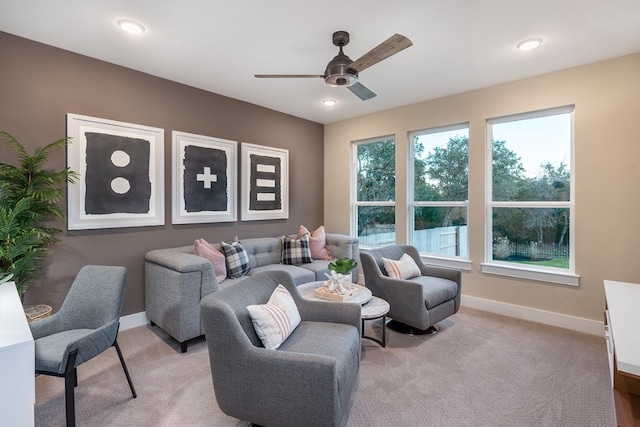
(275, 320)
(404, 268)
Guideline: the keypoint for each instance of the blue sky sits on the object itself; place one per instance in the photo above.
(535, 140)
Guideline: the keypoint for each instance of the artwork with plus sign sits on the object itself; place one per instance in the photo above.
(121, 173)
(204, 179)
(265, 185)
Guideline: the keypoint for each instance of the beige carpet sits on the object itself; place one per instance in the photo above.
(479, 370)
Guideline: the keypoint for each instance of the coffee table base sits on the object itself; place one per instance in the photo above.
(382, 342)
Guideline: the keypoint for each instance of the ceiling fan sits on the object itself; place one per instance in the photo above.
(341, 71)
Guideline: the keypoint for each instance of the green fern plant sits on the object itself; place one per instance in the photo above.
(29, 195)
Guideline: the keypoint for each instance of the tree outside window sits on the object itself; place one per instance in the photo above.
(375, 191)
(531, 194)
(440, 190)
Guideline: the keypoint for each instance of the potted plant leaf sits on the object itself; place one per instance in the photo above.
(29, 196)
(341, 277)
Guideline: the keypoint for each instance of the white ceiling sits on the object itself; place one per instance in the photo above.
(458, 45)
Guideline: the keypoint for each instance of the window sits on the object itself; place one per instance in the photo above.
(530, 196)
(375, 181)
(439, 190)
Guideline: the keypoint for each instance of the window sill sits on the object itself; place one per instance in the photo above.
(549, 276)
(457, 263)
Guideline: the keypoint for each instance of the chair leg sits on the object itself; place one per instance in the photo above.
(70, 381)
(124, 367)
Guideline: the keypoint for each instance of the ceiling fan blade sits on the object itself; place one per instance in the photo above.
(361, 91)
(391, 46)
(288, 76)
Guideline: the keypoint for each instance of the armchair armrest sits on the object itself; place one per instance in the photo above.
(309, 378)
(441, 272)
(321, 311)
(46, 326)
(177, 259)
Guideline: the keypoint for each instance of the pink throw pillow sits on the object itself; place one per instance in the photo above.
(204, 249)
(317, 242)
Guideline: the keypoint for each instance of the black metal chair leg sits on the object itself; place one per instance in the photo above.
(70, 381)
(124, 367)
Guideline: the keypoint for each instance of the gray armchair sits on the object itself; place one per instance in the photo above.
(307, 381)
(417, 304)
(85, 326)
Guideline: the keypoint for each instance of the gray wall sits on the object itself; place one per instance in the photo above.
(40, 84)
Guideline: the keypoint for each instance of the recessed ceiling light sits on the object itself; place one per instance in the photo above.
(329, 102)
(131, 26)
(529, 44)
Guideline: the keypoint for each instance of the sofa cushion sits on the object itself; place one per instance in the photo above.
(404, 268)
(275, 320)
(317, 242)
(263, 250)
(320, 269)
(217, 259)
(237, 259)
(299, 274)
(296, 251)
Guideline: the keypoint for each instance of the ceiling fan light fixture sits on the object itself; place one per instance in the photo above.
(131, 26)
(341, 80)
(329, 102)
(529, 44)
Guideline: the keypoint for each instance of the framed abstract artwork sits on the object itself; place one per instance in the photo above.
(204, 179)
(265, 182)
(121, 169)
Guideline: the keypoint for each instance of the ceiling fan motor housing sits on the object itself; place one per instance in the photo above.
(338, 73)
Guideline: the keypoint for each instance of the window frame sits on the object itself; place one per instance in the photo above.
(355, 203)
(520, 270)
(454, 261)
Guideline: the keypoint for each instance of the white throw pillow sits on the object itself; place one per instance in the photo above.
(275, 320)
(404, 268)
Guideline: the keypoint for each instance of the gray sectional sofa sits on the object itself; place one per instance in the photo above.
(176, 280)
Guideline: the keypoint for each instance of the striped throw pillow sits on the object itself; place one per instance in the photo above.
(204, 249)
(275, 320)
(404, 268)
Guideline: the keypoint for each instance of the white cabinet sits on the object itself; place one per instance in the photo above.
(622, 319)
(17, 361)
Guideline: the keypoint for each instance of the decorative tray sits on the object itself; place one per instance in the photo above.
(323, 292)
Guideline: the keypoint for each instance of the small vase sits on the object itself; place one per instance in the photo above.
(345, 279)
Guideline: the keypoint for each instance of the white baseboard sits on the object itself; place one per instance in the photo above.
(578, 324)
(133, 320)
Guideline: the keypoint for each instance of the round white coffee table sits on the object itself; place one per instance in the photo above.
(372, 307)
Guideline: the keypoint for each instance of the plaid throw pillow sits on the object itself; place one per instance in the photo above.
(296, 251)
(236, 258)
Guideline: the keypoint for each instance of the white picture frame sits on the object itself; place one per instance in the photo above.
(265, 182)
(121, 174)
(204, 184)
